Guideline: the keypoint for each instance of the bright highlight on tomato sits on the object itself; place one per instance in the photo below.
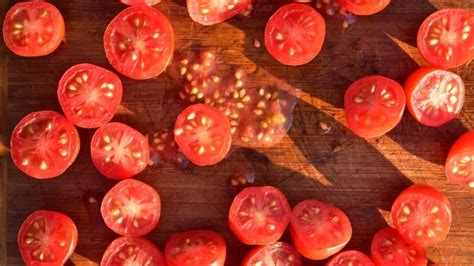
(460, 161)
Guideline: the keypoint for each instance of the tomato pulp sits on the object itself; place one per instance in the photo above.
(209, 12)
(460, 161)
(140, 2)
(364, 7)
(278, 253)
(132, 251)
(350, 257)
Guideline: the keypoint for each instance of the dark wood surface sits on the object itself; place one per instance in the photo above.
(362, 177)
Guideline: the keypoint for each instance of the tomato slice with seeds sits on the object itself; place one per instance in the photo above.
(140, 2)
(196, 248)
(47, 238)
(460, 161)
(389, 249)
(210, 12)
(127, 250)
(259, 215)
(364, 7)
(374, 105)
(89, 95)
(44, 144)
(319, 230)
(434, 96)
(422, 215)
(350, 257)
(119, 151)
(33, 28)
(139, 42)
(275, 254)
(202, 132)
(445, 39)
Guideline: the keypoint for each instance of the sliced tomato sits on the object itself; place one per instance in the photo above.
(364, 7)
(139, 42)
(295, 34)
(119, 151)
(350, 257)
(209, 12)
(422, 215)
(319, 230)
(259, 215)
(47, 238)
(196, 248)
(132, 251)
(434, 96)
(460, 161)
(140, 2)
(89, 95)
(446, 38)
(374, 105)
(44, 144)
(389, 249)
(275, 254)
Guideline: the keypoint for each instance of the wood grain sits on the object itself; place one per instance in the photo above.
(362, 178)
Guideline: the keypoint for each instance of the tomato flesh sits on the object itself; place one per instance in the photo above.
(210, 12)
(275, 254)
(44, 144)
(350, 257)
(460, 161)
(140, 2)
(364, 7)
(132, 251)
(47, 238)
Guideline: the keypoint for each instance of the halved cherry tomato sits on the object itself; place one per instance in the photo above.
(196, 248)
(389, 249)
(295, 34)
(203, 134)
(44, 144)
(319, 230)
(259, 215)
(89, 95)
(131, 208)
(434, 96)
(422, 215)
(47, 238)
(460, 162)
(209, 12)
(374, 105)
(140, 2)
(350, 257)
(33, 28)
(132, 251)
(446, 38)
(275, 254)
(364, 7)
(139, 42)
(119, 151)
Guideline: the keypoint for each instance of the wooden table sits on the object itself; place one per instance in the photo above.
(362, 177)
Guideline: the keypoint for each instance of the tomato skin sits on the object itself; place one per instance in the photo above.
(137, 250)
(463, 147)
(369, 7)
(350, 256)
(140, 2)
(271, 255)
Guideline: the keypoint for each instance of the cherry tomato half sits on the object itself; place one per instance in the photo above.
(364, 7)
(275, 254)
(207, 12)
(132, 251)
(47, 238)
(140, 2)
(460, 162)
(44, 144)
(350, 257)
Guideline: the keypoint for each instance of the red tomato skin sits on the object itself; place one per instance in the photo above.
(140, 2)
(255, 253)
(362, 259)
(464, 144)
(367, 9)
(107, 258)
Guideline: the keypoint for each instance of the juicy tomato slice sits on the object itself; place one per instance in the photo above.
(350, 257)
(131, 208)
(89, 95)
(445, 39)
(119, 151)
(434, 96)
(202, 132)
(132, 251)
(209, 12)
(319, 230)
(44, 144)
(196, 248)
(295, 34)
(389, 249)
(33, 28)
(140, 2)
(275, 254)
(422, 215)
(139, 42)
(364, 7)
(47, 238)
(460, 161)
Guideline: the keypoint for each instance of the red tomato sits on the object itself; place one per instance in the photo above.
(140, 2)
(44, 144)
(132, 251)
(295, 34)
(202, 132)
(139, 42)
(196, 248)
(273, 255)
(33, 28)
(460, 162)
(259, 215)
(319, 230)
(434, 96)
(119, 151)
(389, 249)
(350, 257)
(47, 238)
(445, 38)
(131, 208)
(422, 215)
(207, 12)
(364, 7)
(89, 95)
(374, 105)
